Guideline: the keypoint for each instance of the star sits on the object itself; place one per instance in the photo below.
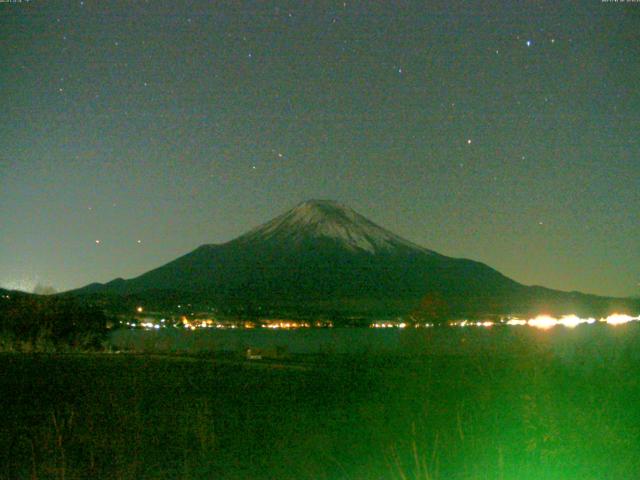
(98, 242)
(139, 242)
(468, 141)
(529, 43)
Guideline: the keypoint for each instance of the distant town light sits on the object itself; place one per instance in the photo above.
(619, 319)
(543, 322)
(516, 321)
(572, 321)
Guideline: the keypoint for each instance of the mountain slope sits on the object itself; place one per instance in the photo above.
(322, 255)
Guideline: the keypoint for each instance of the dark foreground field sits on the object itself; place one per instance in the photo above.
(522, 413)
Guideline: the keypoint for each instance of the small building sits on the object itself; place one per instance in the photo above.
(274, 353)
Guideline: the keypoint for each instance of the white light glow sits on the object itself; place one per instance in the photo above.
(619, 319)
(543, 322)
(516, 321)
(572, 321)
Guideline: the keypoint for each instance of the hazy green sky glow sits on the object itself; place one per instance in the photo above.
(504, 133)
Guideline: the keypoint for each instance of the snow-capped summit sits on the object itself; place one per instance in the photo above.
(327, 219)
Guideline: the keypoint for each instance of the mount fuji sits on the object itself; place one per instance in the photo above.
(322, 257)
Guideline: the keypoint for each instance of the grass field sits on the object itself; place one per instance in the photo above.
(529, 412)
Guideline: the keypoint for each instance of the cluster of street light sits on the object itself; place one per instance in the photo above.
(545, 322)
(542, 322)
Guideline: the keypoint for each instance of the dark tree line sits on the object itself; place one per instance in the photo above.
(51, 320)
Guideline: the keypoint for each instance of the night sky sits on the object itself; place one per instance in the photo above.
(133, 132)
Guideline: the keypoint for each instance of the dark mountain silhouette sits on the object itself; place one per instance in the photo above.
(324, 257)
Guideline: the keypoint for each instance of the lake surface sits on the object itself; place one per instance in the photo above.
(599, 340)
